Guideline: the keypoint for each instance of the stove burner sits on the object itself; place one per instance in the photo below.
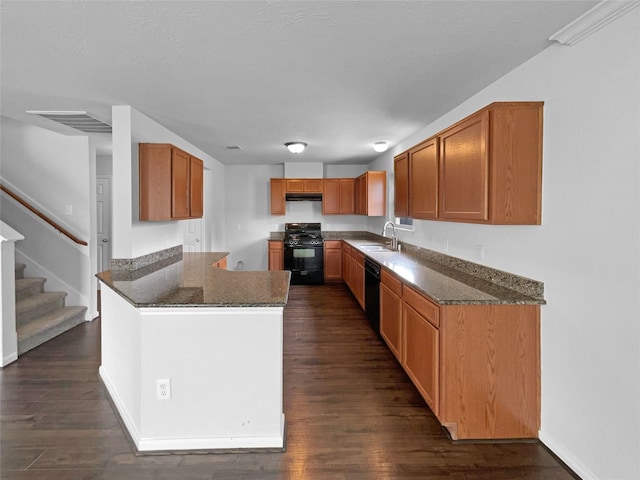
(303, 234)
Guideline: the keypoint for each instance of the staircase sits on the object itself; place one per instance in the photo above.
(41, 315)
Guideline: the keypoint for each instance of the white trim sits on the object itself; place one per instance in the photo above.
(12, 357)
(593, 20)
(213, 443)
(120, 407)
(74, 296)
(566, 457)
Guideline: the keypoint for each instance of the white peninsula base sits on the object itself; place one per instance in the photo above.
(224, 365)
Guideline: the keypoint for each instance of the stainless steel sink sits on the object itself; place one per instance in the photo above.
(375, 248)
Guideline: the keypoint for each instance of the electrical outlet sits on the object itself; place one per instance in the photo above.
(480, 252)
(163, 389)
(446, 245)
(238, 226)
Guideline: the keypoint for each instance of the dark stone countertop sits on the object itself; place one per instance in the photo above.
(444, 279)
(444, 284)
(189, 280)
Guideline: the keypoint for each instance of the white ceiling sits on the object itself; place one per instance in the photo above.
(339, 75)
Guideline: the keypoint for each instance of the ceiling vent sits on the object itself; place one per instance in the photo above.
(78, 120)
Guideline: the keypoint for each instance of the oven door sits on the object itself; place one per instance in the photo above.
(306, 263)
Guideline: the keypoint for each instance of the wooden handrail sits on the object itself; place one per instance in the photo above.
(37, 212)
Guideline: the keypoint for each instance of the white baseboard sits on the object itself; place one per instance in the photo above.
(192, 444)
(560, 451)
(119, 405)
(12, 357)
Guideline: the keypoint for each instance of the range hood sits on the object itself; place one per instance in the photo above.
(303, 197)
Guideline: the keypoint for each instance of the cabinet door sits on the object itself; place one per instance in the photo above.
(196, 186)
(422, 356)
(464, 170)
(331, 196)
(423, 180)
(278, 203)
(180, 165)
(346, 268)
(154, 162)
(391, 320)
(358, 278)
(222, 264)
(276, 255)
(347, 195)
(376, 193)
(313, 185)
(332, 260)
(401, 185)
(295, 185)
(361, 195)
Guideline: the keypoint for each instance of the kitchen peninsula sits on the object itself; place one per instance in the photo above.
(192, 354)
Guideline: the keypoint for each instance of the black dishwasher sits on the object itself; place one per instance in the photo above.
(372, 293)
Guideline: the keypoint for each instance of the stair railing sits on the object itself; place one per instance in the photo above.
(41, 215)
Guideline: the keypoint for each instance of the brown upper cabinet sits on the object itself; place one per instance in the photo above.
(423, 180)
(371, 193)
(487, 168)
(171, 183)
(365, 195)
(278, 188)
(401, 184)
(338, 197)
(304, 185)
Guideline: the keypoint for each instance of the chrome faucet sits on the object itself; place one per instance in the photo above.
(394, 239)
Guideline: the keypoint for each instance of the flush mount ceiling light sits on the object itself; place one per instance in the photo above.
(295, 147)
(380, 146)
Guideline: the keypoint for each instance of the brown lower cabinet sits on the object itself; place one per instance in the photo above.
(353, 271)
(476, 366)
(276, 255)
(332, 260)
(391, 312)
(222, 263)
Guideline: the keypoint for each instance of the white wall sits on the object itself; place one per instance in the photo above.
(235, 404)
(133, 238)
(8, 334)
(587, 251)
(249, 218)
(52, 172)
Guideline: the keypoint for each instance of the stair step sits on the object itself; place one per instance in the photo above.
(26, 287)
(48, 326)
(20, 270)
(37, 305)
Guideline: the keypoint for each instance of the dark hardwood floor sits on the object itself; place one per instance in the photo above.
(351, 411)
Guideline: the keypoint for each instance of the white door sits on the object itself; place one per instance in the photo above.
(192, 235)
(103, 220)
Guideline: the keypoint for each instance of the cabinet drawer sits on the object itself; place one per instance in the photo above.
(359, 257)
(332, 244)
(346, 248)
(392, 282)
(424, 307)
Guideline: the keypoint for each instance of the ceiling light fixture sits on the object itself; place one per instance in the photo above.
(380, 146)
(295, 147)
